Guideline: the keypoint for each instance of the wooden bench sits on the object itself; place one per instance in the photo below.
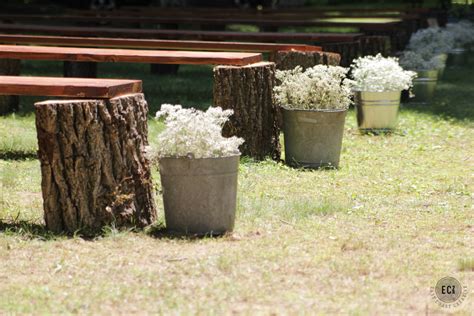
(346, 44)
(283, 54)
(313, 38)
(362, 23)
(92, 152)
(242, 83)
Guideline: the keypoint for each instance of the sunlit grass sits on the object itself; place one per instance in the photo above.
(369, 238)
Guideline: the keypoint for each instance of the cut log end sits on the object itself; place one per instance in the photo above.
(286, 60)
(93, 164)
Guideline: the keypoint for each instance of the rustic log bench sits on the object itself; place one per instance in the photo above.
(348, 45)
(241, 83)
(285, 56)
(92, 151)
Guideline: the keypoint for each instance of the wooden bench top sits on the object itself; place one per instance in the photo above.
(180, 34)
(153, 44)
(386, 23)
(68, 87)
(127, 55)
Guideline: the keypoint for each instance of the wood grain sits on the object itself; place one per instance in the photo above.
(127, 55)
(179, 34)
(154, 43)
(68, 87)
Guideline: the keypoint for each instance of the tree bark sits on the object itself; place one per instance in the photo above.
(75, 69)
(93, 164)
(248, 90)
(286, 60)
(9, 103)
(348, 51)
(372, 45)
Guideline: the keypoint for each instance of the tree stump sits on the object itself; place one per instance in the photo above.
(93, 164)
(9, 103)
(347, 50)
(80, 69)
(372, 45)
(248, 90)
(286, 60)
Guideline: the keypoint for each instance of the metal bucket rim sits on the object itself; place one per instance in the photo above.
(385, 91)
(286, 108)
(199, 159)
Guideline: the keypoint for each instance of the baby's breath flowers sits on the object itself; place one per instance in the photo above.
(320, 87)
(431, 41)
(379, 74)
(413, 61)
(194, 134)
(462, 33)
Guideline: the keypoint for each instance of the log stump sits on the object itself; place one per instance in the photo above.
(248, 90)
(286, 60)
(9, 103)
(373, 45)
(347, 50)
(80, 69)
(93, 164)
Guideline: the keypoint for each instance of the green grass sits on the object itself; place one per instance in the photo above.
(369, 238)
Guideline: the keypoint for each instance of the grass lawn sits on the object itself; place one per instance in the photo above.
(369, 238)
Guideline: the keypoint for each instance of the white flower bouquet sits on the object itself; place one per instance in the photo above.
(320, 88)
(380, 74)
(431, 41)
(462, 32)
(411, 60)
(194, 134)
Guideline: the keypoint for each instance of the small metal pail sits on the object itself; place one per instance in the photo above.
(313, 138)
(458, 57)
(377, 110)
(199, 195)
(424, 86)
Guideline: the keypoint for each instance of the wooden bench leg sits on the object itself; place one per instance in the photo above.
(75, 69)
(9, 103)
(248, 90)
(164, 69)
(286, 60)
(93, 164)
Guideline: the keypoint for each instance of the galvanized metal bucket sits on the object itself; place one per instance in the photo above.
(199, 195)
(458, 57)
(442, 60)
(313, 138)
(377, 111)
(424, 86)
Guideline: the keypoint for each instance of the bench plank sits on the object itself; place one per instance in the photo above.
(127, 55)
(153, 43)
(180, 34)
(68, 87)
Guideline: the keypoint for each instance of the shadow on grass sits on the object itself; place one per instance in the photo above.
(159, 231)
(453, 97)
(17, 155)
(27, 230)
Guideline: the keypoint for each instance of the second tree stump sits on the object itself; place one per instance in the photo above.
(248, 90)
